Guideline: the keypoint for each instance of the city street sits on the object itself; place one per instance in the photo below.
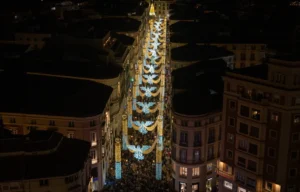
(145, 157)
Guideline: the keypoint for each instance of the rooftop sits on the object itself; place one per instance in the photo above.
(184, 11)
(126, 40)
(121, 8)
(194, 52)
(256, 71)
(44, 95)
(197, 102)
(62, 162)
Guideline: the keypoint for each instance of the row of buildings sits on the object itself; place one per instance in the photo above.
(234, 107)
(69, 75)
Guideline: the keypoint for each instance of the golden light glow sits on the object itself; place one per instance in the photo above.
(152, 10)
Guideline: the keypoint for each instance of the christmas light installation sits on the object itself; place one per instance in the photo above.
(118, 167)
(149, 82)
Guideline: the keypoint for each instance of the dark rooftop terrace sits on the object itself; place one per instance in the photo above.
(194, 52)
(63, 162)
(34, 94)
(197, 102)
(256, 71)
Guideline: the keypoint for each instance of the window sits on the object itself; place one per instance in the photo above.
(243, 128)
(254, 132)
(174, 136)
(93, 154)
(209, 167)
(197, 155)
(71, 124)
(244, 111)
(210, 152)
(197, 139)
(256, 114)
(269, 186)
(183, 171)
(228, 185)
(253, 149)
(195, 187)
(52, 123)
(270, 169)
(183, 154)
(294, 155)
(297, 119)
(252, 57)
(44, 182)
(230, 138)
(251, 165)
(291, 189)
(12, 120)
(271, 152)
(196, 171)
(231, 121)
(211, 135)
(92, 123)
(296, 137)
(293, 172)
(232, 105)
(197, 123)
(93, 138)
(243, 56)
(241, 162)
(70, 134)
(229, 154)
(251, 183)
(274, 117)
(273, 134)
(183, 138)
(184, 123)
(243, 145)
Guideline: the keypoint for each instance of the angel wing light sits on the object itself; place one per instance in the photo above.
(148, 90)
(150, 78)
(142, 126)
(138, 151)
(145, 106)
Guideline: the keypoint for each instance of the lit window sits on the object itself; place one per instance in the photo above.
(227, 184)
(183, 171)
(93, 155)
(196, 171)
(209, 167)
(297, 119)
(269, 186)
(256, 114)
(70, 134)
(93, 138)
(230, 138)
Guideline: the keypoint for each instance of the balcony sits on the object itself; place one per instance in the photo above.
(183, 143)
(260, 98)
(197, 144)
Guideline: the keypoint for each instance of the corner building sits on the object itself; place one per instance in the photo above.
(196, 135)
(261, 119)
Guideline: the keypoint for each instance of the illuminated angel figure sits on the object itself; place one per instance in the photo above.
(156, 35)
(148, 90)
(142, 126)
(153, 52)
(146, 106)
(151, 68)
(155, 45)
(138, 151)
(150, 78)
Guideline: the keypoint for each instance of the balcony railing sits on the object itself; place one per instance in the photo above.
(183, 143)
(197, 144)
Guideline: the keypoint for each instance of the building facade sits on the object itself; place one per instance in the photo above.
(93, 125)
(195, 151)
(260, 149)
(39, 163)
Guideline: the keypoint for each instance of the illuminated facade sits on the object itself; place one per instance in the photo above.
(260, 149)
